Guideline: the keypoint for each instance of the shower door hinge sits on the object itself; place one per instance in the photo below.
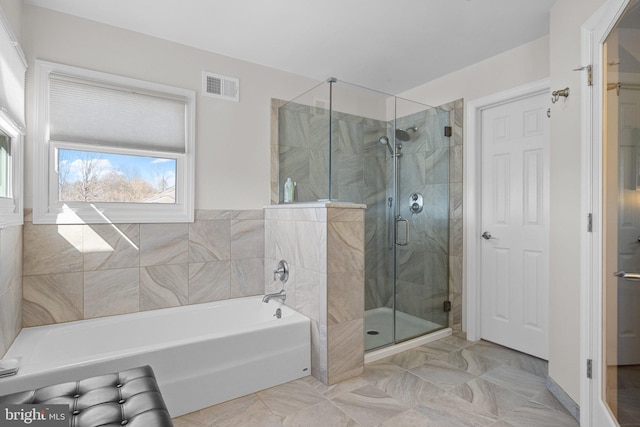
(589, 368)
(590, 223)
(447, 306)
(448, 131)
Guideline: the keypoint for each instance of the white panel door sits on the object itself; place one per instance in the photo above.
(515, 224)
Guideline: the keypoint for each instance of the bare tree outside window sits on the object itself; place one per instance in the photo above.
(100, 177)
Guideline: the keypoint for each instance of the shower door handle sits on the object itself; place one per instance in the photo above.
(399, 219)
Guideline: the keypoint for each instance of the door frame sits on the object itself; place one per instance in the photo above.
(472, 187)
(593, 411)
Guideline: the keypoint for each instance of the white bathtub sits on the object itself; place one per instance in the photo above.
(201, 354)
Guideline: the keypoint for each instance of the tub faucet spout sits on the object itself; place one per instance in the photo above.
(278, 295)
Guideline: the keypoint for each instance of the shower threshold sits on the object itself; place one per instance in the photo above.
(379, 332)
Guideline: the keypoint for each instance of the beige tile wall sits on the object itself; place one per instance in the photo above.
(10, 285)
(324, 246)
(74, 272)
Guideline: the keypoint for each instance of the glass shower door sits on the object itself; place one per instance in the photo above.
(422, 221)
(412, 276)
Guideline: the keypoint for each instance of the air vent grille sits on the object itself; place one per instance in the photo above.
(219, 86)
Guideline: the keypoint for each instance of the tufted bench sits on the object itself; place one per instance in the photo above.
(130, 398)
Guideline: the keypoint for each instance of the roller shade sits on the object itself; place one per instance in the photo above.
(87, 112)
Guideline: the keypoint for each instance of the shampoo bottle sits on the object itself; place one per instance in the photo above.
(288, 191)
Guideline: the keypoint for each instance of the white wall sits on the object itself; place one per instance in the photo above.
(232, 139)
(523, 64)
(567, 17)
(12, 9)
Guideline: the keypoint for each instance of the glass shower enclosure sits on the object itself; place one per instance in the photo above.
(342, 142)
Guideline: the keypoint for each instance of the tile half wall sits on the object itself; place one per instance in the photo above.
(75, 272)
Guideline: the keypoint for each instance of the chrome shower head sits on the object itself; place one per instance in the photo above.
(403, 134)
(384, 140)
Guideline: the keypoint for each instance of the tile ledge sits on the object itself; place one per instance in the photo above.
(323, 204)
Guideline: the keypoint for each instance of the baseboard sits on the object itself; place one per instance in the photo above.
(562, 396)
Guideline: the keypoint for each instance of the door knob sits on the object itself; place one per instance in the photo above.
(486, 235)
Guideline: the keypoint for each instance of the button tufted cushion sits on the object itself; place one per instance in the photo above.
(130, 398)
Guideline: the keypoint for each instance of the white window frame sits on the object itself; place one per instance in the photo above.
(11, 208)
(47, 209)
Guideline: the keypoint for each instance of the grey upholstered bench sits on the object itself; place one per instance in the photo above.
(130, 398)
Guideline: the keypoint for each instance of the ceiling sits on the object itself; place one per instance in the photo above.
(387, 45)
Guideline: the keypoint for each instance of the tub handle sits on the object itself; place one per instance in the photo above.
(282, 272)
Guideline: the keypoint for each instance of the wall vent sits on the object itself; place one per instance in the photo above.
(222, 87)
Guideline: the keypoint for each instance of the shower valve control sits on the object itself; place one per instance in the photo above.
(416, 203)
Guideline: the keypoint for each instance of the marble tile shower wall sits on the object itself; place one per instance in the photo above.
(301, 148)
(74, 272)
(357, 156)
(10, 285)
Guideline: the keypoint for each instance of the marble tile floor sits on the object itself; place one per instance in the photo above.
(447, 383)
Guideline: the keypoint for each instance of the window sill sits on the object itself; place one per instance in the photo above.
(114, 213)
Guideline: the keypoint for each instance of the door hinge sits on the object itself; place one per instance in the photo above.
(448, 131)
(589, 73)
(447, 306)
(589, 368)
(590, 223)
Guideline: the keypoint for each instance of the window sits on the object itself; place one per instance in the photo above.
(10, 172)
(111, 148)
